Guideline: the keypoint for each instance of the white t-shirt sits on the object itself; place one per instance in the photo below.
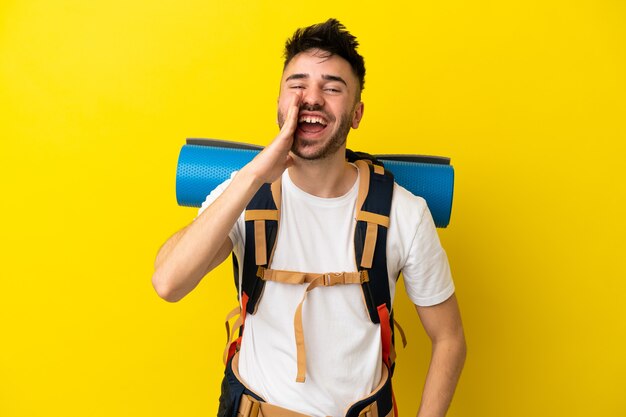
(343, 346)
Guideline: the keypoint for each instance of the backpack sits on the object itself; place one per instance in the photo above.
(262, 216)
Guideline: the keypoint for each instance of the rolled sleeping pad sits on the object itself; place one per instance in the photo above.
(203, 164)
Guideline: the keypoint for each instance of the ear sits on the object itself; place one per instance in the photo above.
(358, 115)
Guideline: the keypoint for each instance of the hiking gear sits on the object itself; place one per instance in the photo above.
(372, 215)
(205, 163)
(238, 400)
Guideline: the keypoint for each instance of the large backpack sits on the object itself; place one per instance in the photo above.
(262, 217)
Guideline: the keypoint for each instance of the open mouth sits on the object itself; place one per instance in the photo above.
(311, 124)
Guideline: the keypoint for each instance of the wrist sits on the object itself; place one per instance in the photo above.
(249, 178)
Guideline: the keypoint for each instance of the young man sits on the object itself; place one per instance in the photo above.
(320, 100)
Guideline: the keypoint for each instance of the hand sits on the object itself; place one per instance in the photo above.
(269, 165)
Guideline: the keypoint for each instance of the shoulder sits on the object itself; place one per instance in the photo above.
(407, 208)
(407, 213)
(422, 259)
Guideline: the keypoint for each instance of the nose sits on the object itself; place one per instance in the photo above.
(313, 97)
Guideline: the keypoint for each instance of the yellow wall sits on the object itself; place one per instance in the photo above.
(96, 98)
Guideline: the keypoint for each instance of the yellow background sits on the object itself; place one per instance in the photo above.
(96, 98)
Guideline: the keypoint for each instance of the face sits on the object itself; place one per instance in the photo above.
(329, 105)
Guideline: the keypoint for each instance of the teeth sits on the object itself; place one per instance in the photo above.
(312, 119)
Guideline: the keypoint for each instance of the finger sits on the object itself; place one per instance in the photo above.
(294, 106)
(292, 114)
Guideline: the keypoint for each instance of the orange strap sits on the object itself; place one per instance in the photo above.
(276, 195)
(233, 346)
(314, 280)
(251, 407)
(232, 313)
(378, 169)
(392, 348)
(402, 335)
(326, 280)
(364, 183)
(260, 244)
(370, 410)
(379, 219)
(371, 235)
(330, 279)
(259, 217)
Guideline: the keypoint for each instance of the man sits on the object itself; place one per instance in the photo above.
(319, 101)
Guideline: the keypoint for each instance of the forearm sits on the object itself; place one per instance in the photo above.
(188, 255)
(446, 363)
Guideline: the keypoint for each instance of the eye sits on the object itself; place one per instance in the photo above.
(332, 90)
(296, 87)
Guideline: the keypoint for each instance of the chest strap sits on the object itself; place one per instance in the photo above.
(314, 280)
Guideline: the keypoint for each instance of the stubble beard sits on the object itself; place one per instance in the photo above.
(334, 143)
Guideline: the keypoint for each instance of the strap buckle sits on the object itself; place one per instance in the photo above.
(327, 280)
(333, 278)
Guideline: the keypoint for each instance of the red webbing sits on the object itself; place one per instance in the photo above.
(385, 335)
(385, 332)
(232, 349)
(244, 305)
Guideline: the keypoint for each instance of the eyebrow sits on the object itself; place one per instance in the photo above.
(326, 77)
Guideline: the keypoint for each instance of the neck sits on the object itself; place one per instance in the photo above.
(327, 178)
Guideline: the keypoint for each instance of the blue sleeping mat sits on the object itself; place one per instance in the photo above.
(203, 164)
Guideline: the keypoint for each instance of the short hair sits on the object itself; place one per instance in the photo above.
(331, 37)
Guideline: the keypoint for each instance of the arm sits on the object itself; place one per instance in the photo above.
(194, 251)
(442, 323)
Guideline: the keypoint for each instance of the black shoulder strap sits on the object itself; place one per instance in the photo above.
(370, 237)
(261, 217)
(353, 156)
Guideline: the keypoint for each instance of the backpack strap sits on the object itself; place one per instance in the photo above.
(261, 226)
(261, 217)
(370, 240)
(370, 244)
(370, 235)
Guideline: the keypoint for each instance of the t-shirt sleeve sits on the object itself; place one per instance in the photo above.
(426, 272)
(236, 232)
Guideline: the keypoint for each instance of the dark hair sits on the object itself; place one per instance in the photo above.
(331, 37)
